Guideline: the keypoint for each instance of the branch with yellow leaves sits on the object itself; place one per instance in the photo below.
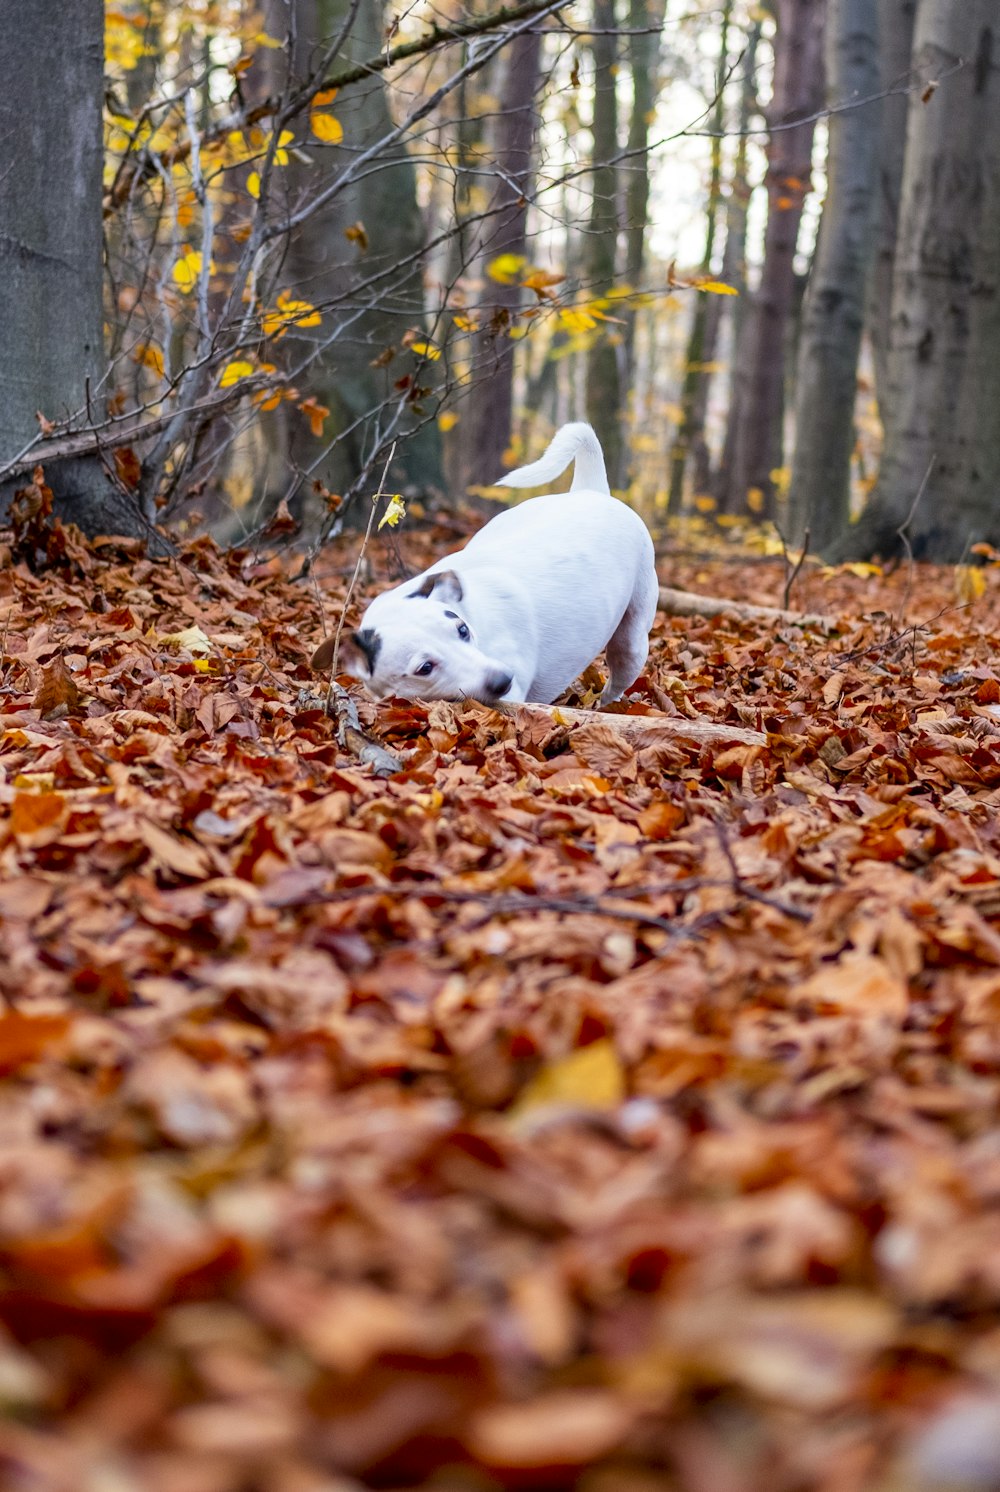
(272, 107)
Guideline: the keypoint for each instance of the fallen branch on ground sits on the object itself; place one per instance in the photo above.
(644, 727)
(340, 707)
(688, 603)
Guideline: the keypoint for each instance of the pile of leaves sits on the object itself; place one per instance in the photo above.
(574, 1108)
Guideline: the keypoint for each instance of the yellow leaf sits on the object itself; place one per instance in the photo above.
(859, 568)
(505, 268)
(755, 499)
(781, 476)
(233, 372)
(447, 421)
(466, 323)
(426, 349)
(188, 269)
(263, 40)
(150, 356)
(288, 313)
(704, 503)
(589, 1078)
(576, 320)
(326, 128)
(281, 154)
(253, 185)
(394, 512)
(716, 287)
(970, 583)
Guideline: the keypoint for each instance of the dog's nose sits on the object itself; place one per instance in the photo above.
(498, 683)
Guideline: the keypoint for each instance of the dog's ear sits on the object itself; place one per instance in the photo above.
(358, 651)
(444, 585)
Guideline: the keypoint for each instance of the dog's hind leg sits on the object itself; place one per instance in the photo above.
(628, 648)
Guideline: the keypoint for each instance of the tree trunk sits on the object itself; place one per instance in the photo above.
(695, 359)
(643, 48)
(733, 272)
(798, 95)
(324, 265)
(488, 423)
(603, 380)
(833, 316)
(50, 246)
(895, 37)
(940, 471)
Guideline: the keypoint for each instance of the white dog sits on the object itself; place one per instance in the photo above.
(527, 604)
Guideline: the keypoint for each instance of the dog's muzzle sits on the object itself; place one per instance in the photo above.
(497, 684)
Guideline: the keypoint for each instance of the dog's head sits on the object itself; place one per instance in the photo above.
(418, 644)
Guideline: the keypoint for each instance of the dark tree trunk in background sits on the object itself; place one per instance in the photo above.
(603, 379)
(694, 374)
(942, 395)
(895, 36)
(487, 423)
(51, 313)
(756, 447)
(322, 264)
(733, 272)
(833, 315)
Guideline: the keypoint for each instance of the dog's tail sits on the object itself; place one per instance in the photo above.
(576, 443)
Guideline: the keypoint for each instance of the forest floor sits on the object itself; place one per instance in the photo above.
(571, 1109)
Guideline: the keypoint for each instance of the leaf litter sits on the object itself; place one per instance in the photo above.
(572, 1108)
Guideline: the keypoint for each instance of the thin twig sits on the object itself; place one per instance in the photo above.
(791, 579)
(902, 534)
(357, 568)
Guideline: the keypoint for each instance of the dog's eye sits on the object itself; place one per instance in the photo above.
(464, 632)
(425, 669)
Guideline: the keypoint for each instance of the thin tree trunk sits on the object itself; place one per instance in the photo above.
(940, 472)
(489, 420)
(695, 358)
(51, 311)
(798, 95)
(833, 315)
(603, 379)
(733, 271)
(895, 27)
(643, 46)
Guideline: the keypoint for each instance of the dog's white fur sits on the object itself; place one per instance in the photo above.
(540, 591)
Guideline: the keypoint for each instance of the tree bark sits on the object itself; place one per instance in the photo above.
(940, 471)
(603, 379)
(643, 48)
(798, 94)
(323, 264)
(833, 316)
(895, 39)
(694, 361)
(488, 423)
(51, 310)
(733, 272)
